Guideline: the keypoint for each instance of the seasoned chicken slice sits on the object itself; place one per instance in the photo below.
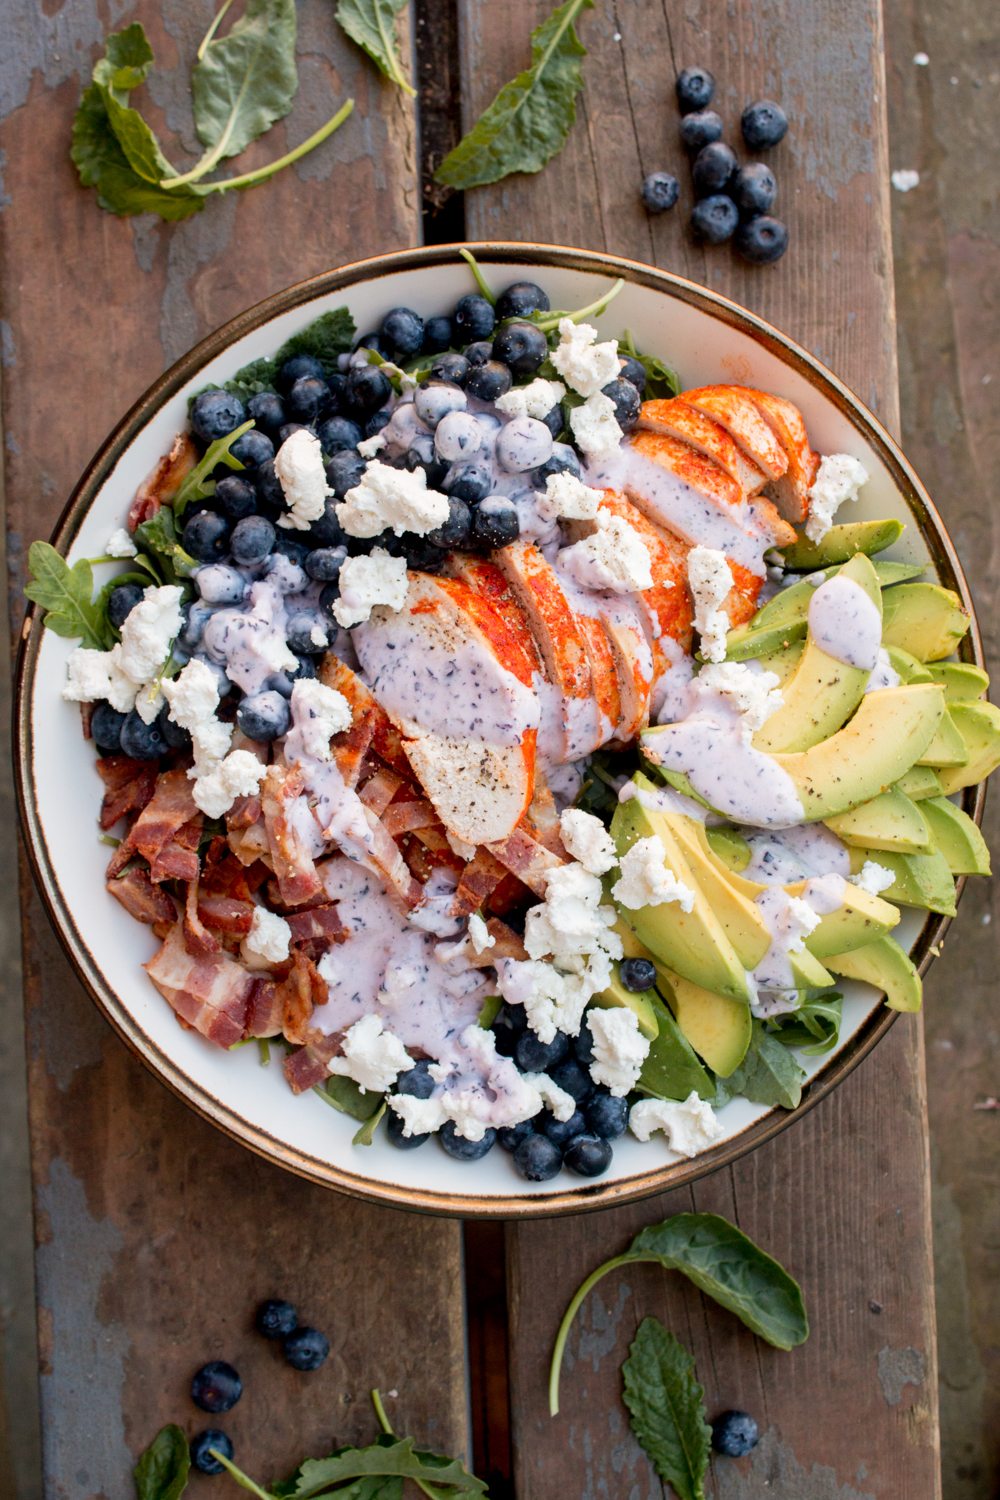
(695, 469)
(687, 424)
(732, 408)
(790, 492)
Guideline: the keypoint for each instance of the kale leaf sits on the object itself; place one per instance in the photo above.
(372, 24)
(326, 338)
(66, 594)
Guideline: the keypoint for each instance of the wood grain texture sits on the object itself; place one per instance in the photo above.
(156, 1235)
(843, 1197)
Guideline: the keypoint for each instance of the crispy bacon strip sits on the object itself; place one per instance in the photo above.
(197, 938)
(266, 1008)
(224, 914)
(351, 746)
(294, 866)
(162, 483)
(406, 817)
(210, 993)
(314, 929)
(142, 899)
(178, 858)
(129, 785)
(526, 858)
(250, 844)
(480, 878)
(301, 991)
(379, 790)
(308, 1066)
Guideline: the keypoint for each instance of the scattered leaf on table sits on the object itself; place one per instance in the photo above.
(372, 24)
(246, 80)
(667, 1410)
(162, 1471)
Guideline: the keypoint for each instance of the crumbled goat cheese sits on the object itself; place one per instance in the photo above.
(298, 464)
(372, 445)
(318, 713)
(905, 180)
(366, 582)
(193, 696)
(120, 544)
(95, 675)
(239, 775)
(479, 934)
(269, 936)
(873, 878)
(571, 922)
(587, 840)
(586, 366)
(837, 481)
(553, 1001)
(595, 426)
(614, 559)
(481, 1089)
(533, 400)
(690, 1126)
(620, 1049)
(392, 499)
(646, 880)
(795, 922)
(556, 1100)
(373, 1057)
(121, 674)
(755, 695)
(566, 498)
(710, 581)
(419, 1116)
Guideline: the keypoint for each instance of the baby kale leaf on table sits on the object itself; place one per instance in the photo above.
(529, 120)
(246, 80)
(66, 594)
(372, 24)
(162, 1471)
(667, 1409)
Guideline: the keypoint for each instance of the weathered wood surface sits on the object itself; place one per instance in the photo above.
(842, 1198)
(156, 1235)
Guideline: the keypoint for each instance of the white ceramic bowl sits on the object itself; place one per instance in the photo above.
(707, 339)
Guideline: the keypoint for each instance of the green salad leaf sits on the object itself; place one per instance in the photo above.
(667, 1409)
(814, 1028)
(326, 338)
(661, 381)
(769, 1074)
(198, 483)
(345, 1095)
(244, 81)
(159, 536)
(162, 1470)
(366, 1134)
(372, 24)
(528, 121)
(66, 594)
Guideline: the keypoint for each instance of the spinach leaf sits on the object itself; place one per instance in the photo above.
(198, 483)
(162, 1471)
(345, 1095)
(159, 536)
(66, 594)
(372, 24)
(366, 1134)
(814, 1027)
(529, 120)
(769, 1074)
(244, 81)
(667, 1409)
(326, 338)
(387, 1458)
(661, 381)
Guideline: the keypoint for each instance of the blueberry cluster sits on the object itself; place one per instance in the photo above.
(732, 201)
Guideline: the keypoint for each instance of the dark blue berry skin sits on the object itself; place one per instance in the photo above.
(561, 1132)
(574, 1078)
(344, 471)
(633, 371)
(142, 741)
(106, 728)
(453, 368)
(456, 530)
(713, 169)
(366, 389)
(236, 497)
(537, 1158)
(606, 1116)
(306, 667)
(764, 124)
(421, 553)
(298, 633)
(700, 129)
(122, 601)
(583, 1046)
(290, 427)
(306, 1348)
(511, 1022)
(288, 545)
(394, 1130)
(520, 300)
(264, 716)
(324, 565)
(337, 433)
(474, 318)
(637, 974)
(201, 1458)
(754, 188)
(216, 413)
(377, 422)
(329, 595)
(469, 482)
(403, 330)
(417, 1081)
(563, 461)
(490, 380)
(660, 191)
(421, 454)
(734, 1433)
(715, 219)
(326, 532)
(298, 367)
(627, 402)
(495, 526)
(762, 240)
(588, 1155)
(336, 384)
(555, 419)
(253, 449)
(275, 1319)
(695, 87)
(306, 399)
(520, 346)
(216, 1387)
(252, 540)
(176, 737)
(376, 342)
(270, 495)
(534, 1056)
(437, 335)
(268, 412)
(509, 1137)
(206, 536)
(479, 353)
(462, 1149)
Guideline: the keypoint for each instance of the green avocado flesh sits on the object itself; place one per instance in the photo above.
(921, 880)
(719, 1029)
(783, 619)
(841, 543)
(979, 726)
(956, 837)
(884, 964)
(889, 821)
(924, 619)
(672, 1069)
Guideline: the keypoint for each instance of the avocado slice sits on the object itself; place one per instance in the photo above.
(906, 665)
(962, 681)
(920, 782)
(925, 619)
(979, 726)
(784, 661)
(840, 543)
(672, 1069)
(741, 920)
(719, 1029)
(783, 619)
(824, 692)
(884, 964)
(889, 821)
(731, 847)
(921, 880)
(956, 837)
(859, 919)
(947, 748)
(617, 996)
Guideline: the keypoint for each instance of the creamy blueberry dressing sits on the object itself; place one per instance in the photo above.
(663, 799)
(789, 920)
(242, 621)
(785, 855)
(884, 674)
(845, 623)
(670, 699)
(551, 744)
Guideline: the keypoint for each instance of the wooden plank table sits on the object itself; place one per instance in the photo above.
(155, 1234)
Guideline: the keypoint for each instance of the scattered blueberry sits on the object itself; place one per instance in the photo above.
(537, 1158)
(122, 601)
(495, 523)
(326, 531)
(142, 741)
(216, 413)
(263, 716)
(762, 240)
(375, 342)
(474, 317)
(176, 737)
(344, 471)
(287, 544)
(583, 1045)
(520, 300)
(303, 637)
(695, 87)
(235, 497)
(252, 540)
(336, 433)
(520, 346)
(734, 1433)
(268, 412)
(453, 368)
(511, 1136)
(457, 436)
(421, 454)
(275, 1318)
(469, 482)
(633, 371)
(205, 536)
(329, 594)
(218, 583)
(754, 189)
(306, 1348)
(511, 1021)
(713, 168)
(588, 1155)
(306, 666)
(416, 1081)
(555, 419)
(437, 335)
(607, 1116)
(324, 564)
(764, 124)
(377, 422)
(480, 352)
(106, 725)
(306, 399)
(561, 1132)
(660, 191)
(715, 219)
(535, 1056)
(627, 402)
(336, 383)
(216, 1387)
(438, 400)
(524, 443)
(394, 1130)
(456, 530)
(637, 974)
(253, 449)
(298, 367)
(270, 495)
(201, 1458)
(573, 1078)
(700, 129)
(461, 1147)
(403, 329)
(489, 380)
(285, 432)
(365, 390)
(564, 460)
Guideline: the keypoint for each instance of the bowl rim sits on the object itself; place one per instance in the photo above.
(500, 1206)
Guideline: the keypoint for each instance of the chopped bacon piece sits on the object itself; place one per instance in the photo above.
(224, 913)
(142, 899)
(178, 858)
(509, 893)
(210, 993)
(379, 790)
(480, 879)
(314, 929)
(244, 812)
(302, 989)
(407, 817)
(197, 938)
(163, 482)
(307, 1067)
(250, 844)
(351, 746)
(129, 786)
(526, 858)
(507, 944)
(224, 875)
(266, 1009)
(383, 856)
(294, 865)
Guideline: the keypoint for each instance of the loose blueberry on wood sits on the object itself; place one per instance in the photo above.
(695, 87)
(537, 1158)
(216, 413)
(460, 1147)
(700, 129)
(202, 1458)
(275, 1318)
(764, 124)
(216, 1387)
(588, 1155)
(713, 168)
(734, 1433)
(762, 240)
(715, 219)
(660, 191)
(306, 1348)
(754, 188)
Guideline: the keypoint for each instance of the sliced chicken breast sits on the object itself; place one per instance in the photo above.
(479, 791)
(732, 408)
(790, 492)
(687, 424)
(694, 468)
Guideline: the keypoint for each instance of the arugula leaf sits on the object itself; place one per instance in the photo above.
(723, 1263)
(769, 1074)
(66, 594)
(661, 381)
(159, 535)
(162, 1471)
(529, 120)
(372, 24)
(814, 1027)
(667, 1409)
(345, 1095)
(366, 1134)
(245, 81)
(326, 338)
(198, 483)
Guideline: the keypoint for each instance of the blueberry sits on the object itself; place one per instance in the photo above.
(236, 497)
(754, 189)
(588, 1155)
(176, 737)
(437, 400)
(299, 367)
(337, 433)
(375, 342)
(142, 741)
(460, 1147)
(489, 380)
(555, 419)
(457, 436)
(695, 87)
(437, 335)
(607, 1116)
(344, 471)
(268, 412)
(275, 1318)
(474, 317)
(377, 422)
(563, 461)
(218, 583)
(306, 665)
(329, 594)
(270, 495)
(394, 1130)
(306, 399)
(421, 455)
(715, 219)
(583, 1045)
(627, 402)
(252, 540)
(633, 371)
(479, 353)
(520, 346)
(561, 1132)
(573, 1078)
(216, 1387)
(523, 444)
(287, 544)
(305, 635)
(421, 553)
(470, 482)
(206, 536)
(365, 390)
(201, 1458)
(764, 124)
(122, 601)
(284, 433)
(535, 1056)
(403, 330)
(324, 565)
(495, 523)
(713, 168)
(520, 300)
(511, 1021)
(326, 531)
(660, 191)
(416, 1081)
(106, 725)
(306, 1348)
(216, 413)
(762, 240)
(734, 1433)
(511, 1136)
(456, 530)
(700, 129)
(637, 974)
(335, 384)
(263, 716)
(537, 1158)
(453, 368)
(253, 449)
